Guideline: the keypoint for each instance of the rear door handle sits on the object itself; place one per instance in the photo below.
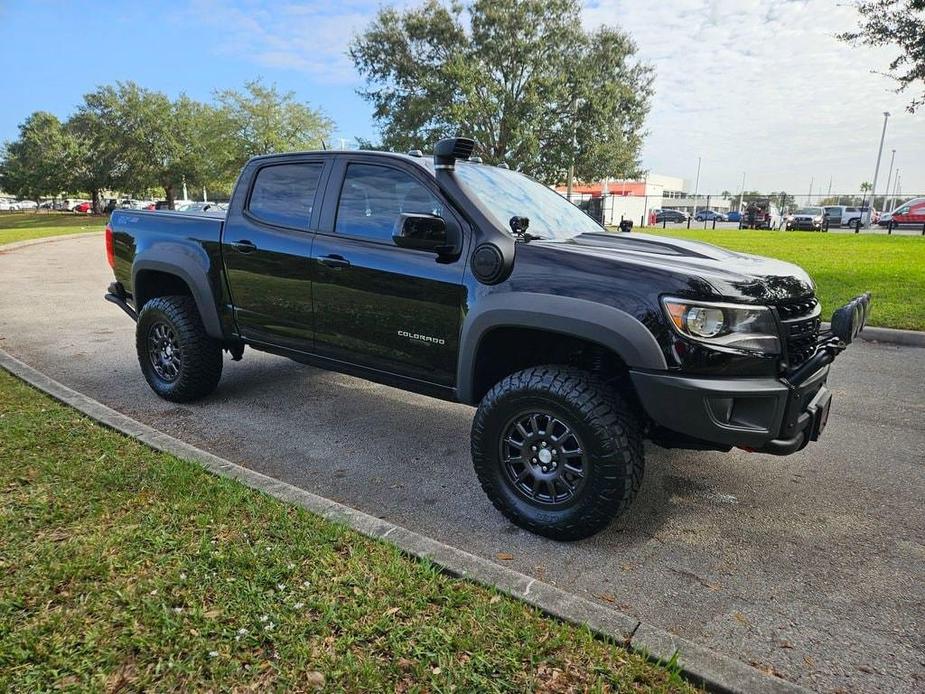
(244, 246)
(334, 261)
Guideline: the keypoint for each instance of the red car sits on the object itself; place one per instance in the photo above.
(912, 212)
(84, 208)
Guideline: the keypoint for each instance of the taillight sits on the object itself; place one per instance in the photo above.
(110, 252)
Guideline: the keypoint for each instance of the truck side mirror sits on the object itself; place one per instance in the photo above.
(425, 232)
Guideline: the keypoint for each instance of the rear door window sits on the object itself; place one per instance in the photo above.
(284, 194)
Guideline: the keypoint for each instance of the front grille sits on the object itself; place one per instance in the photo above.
(801, 322)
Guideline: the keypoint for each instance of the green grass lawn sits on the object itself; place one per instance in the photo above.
(20, 226)
(892, 268)
(125, 568)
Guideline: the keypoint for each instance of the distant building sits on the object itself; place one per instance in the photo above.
(638, 199)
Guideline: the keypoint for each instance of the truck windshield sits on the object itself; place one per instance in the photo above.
(507, 194)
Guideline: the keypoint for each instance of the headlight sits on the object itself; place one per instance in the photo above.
(731, 326)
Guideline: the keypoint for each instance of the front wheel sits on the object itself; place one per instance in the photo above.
(557, 451)
(177, 357)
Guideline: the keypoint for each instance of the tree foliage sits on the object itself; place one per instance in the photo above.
(262, 120)
(125, 137)
(35, 164)
(898, 24)
(520, 76)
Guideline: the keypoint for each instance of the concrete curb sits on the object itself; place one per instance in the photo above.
(702, 666)
(907, 338)
(893, 336)
(5, 247)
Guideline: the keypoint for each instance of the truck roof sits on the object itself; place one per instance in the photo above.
(420, 160)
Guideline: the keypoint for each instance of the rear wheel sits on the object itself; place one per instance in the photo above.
(178, 359)
(557, 451)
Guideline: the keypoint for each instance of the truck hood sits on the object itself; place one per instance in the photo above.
(733, 276)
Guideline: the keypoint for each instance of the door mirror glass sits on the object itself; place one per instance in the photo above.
(423, 232)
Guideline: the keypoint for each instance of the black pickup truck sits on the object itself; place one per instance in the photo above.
(477, 284)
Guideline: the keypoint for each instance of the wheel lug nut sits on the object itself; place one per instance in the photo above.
(534, 460)
(534, 448)
(545, 469)
(543, 444)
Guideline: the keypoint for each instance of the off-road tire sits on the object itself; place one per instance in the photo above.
(200, 362)
(607, 427)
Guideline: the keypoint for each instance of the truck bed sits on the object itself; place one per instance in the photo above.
(147, 239)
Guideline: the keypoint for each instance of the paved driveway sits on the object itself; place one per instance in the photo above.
(811, 566)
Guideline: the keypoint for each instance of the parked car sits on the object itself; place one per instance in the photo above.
(911, 212)
(480, 285)
(84, 207)
(834, 214)
(849, 216)
(808, 219)
(734, 216)
(9, 206)
(761, 214)
(203, 208)
(671, 216)
(709, 216)
(28, 205)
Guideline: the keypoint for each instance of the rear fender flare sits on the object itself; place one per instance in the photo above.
(605, 325)
(183, 262)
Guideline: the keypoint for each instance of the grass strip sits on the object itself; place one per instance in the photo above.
(123, 568)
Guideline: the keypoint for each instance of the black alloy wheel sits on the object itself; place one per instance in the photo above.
(164, 352)
(543, 457)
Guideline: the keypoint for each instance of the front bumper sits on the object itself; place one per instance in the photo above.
(805, 225)
(765, 415)
(768, 415)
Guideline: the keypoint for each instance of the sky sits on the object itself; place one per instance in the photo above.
(759, 87)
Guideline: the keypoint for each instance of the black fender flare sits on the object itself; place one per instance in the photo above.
(605, 325)
(190, 266)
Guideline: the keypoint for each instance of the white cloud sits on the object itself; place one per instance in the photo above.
(764, 87)
(760, 86)
(310, 38)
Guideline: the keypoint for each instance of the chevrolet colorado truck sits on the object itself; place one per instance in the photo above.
(477, 284)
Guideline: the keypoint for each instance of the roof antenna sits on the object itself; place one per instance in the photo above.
(323, 146)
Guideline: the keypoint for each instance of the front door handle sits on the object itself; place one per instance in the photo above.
(334, 261)
(244, 246)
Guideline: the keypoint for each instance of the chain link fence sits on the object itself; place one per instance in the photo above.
(899, 213)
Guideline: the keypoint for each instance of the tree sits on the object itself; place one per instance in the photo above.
(900, 24)
(520, 76)
(262, 120)
(35, 164)
(136, 139)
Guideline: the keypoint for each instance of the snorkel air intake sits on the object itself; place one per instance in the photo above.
(449, 150)
(493, 257)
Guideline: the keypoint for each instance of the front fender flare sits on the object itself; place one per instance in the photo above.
(605, 325)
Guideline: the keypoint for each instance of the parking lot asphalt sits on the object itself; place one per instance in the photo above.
(810, 566)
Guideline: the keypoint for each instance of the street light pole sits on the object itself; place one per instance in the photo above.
(696, 188)
(741, 191)
(873, 189)
(889, 177)
(809, 198)
(571, 166)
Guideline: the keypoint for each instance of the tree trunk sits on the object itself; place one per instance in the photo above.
(95, 197)
(168, 190)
